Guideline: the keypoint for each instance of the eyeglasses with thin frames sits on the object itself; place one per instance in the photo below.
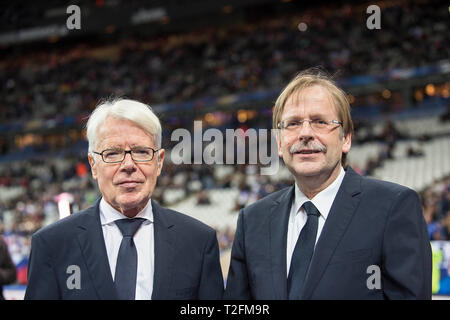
(317, 125)
(138, 154)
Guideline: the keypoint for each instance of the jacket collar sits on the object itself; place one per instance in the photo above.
(340, 215)
(92, 244)
(165, 239)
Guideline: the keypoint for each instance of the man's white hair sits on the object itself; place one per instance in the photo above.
(120, 108)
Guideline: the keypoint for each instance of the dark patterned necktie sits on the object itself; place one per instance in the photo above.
(303, 252)
(126, 267)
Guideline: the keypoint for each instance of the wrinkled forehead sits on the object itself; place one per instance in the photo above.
(314, 100)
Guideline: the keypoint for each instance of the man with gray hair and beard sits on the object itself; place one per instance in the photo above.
(334, 234)
(125, 246)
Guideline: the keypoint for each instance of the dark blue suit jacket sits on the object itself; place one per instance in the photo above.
(371, 222)
(187, 264)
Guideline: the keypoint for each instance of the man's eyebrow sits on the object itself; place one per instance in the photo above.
(113, 148)
(121, 148)
(313, 116)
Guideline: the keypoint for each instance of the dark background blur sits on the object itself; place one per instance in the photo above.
(223, 63)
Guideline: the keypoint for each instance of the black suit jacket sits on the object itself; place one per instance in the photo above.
(371, 222)
(187, 264)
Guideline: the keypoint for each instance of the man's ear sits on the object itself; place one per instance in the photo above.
(93, 166)
(347, 143)
(278, 138)
(160, 159)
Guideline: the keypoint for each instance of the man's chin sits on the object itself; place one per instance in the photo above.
(306, 169)
(132, 205)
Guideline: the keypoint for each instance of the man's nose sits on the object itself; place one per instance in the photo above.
(305, 131)
(128, 163)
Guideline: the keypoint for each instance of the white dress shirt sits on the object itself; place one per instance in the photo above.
(143, 239)
(297, 217)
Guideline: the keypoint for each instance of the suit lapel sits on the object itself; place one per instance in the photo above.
(341, 213)
(165, 237)
(278, 242)
(92, 244)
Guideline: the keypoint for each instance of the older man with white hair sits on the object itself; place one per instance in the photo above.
(125, 246)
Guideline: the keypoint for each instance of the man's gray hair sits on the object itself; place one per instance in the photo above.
(127, 109)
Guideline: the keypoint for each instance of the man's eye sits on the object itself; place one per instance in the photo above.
(291, 124)
(112, 153)
(320, 122)
(141, 151)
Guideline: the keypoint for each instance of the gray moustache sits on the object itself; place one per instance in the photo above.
(297, 147)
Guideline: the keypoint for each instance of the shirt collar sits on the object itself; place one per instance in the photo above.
(108, 214)
(323, 200)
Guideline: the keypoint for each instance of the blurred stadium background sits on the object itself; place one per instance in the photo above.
(224, 63)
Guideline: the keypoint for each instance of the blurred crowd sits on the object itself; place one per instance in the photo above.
(245, 57)
(436, 209)
(31, 191)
